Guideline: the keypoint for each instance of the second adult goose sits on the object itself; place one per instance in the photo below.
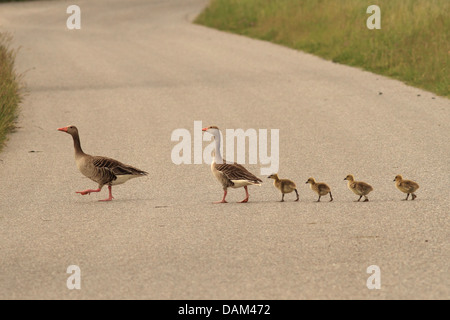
(104, 171)
(230, 175)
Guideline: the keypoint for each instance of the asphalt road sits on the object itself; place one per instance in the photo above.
(136, 71)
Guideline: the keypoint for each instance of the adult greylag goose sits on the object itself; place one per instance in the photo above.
(284, 185)
(358, 187)
(230, 175)
(104, 171)
(406, 186)
(321, 188)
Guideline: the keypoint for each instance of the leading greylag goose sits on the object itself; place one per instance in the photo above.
(230, 175)
(358, 187)
(104, 171)
(284, 185)
(406, 186)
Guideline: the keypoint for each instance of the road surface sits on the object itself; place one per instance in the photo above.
(137, 71)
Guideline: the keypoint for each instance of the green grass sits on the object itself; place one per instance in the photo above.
(413, 44)
(10, 89)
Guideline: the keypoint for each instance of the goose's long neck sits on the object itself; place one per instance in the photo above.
(77, 145)
(218, 155)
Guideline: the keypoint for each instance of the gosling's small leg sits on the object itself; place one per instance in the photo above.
(359, 198)
(296, 192)
(331, 197)
(413, 196)
(318, 200)
(366, 199)
(407, 196)
(282, 198)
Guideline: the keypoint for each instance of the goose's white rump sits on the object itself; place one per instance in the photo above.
(243, 183)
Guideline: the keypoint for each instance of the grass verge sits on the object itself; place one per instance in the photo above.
(413, 44)
(10, 89)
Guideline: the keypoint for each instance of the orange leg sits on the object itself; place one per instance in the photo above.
(89, 191)
(224, 195)
(110, 195)
(246, 194)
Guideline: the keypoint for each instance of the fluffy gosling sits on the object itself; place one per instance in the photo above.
(284, 185)
(358, 187)
(322, 189)
(406, 186)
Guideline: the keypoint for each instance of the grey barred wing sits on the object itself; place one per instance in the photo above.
(236, 171)
(103, 162)
(107, 175)
(116, 167)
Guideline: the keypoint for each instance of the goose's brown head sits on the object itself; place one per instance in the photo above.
(72, 130)
(210, 128)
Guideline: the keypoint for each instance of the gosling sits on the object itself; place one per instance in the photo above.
(284, 185)
(358, 187)
(322, 189)
(406, 186)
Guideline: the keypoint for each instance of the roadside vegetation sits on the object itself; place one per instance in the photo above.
(413, 44)
(10, 89)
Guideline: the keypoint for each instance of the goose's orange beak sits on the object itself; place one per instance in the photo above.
(204, 129)
(63, 129)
